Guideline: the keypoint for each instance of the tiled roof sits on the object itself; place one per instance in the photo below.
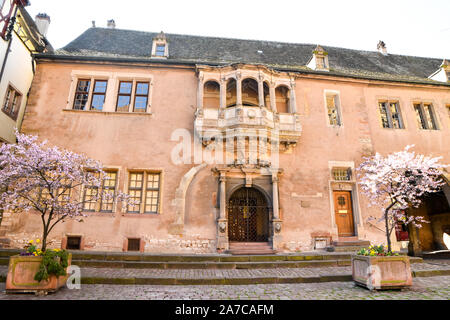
(128, 44)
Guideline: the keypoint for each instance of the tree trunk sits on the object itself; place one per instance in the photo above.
(44, 241)
(44, 236)
(388, 238)
(1, 217)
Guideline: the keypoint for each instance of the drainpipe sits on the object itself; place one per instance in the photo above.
(9, 37)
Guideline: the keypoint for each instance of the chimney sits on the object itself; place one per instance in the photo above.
(111, 24)
(93, 23)
(382, 48)
(42, 21)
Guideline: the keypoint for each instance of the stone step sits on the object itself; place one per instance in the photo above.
(228, 277)
(253, 248)
(350, 243)
(346, 249)
(294, 262)
(149, 257)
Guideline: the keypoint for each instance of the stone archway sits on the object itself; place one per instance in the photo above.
(248, 216)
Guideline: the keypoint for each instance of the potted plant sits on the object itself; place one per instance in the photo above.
(377, 268)
(393, 183)
(54, 184)
(38, 271)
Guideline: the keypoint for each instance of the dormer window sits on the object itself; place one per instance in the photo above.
(160, 50)
(443, 73)
(160, 46)
(319, 60)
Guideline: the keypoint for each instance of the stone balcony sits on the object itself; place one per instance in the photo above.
(247, 121)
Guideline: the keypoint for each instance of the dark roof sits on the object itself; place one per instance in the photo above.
(39, 42)
(128, 44)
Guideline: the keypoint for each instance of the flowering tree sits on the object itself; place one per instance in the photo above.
(49, 180)
(397, 182)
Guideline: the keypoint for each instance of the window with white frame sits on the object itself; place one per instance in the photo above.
(390, 115)
(92, 202)
(84, 94)
(144, 191)
(333, 109)
(160, 50)
(110, 92)
(133, 96)
(426, 118)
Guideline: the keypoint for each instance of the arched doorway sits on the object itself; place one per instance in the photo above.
(248, 216)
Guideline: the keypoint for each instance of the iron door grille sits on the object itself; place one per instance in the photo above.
(248, 216)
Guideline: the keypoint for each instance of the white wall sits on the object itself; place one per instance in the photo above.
(19, 73)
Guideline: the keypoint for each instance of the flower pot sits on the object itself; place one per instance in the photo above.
(21, 272)
(381, 272)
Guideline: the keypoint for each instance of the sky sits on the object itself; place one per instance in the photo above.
(408, 27)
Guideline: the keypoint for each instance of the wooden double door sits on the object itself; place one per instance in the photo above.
(343, 212)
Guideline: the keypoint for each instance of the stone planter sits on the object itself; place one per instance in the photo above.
(382, 272)
(21, 272)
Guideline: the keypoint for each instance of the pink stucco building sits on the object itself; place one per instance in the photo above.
(228, 142)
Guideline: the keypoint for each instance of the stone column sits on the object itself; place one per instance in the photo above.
(200, 92)
(292, 102)
(276, 221)
(276, 211)
(273, 103)
(222, 222)
(261, 92)
(238, 89)
(223, 93)
(414, 248)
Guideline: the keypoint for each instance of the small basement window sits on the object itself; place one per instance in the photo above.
(134, 245)
(73, 243)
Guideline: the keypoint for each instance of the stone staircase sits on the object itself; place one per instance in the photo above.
(120, 260)
(250, 248)
(128, 268)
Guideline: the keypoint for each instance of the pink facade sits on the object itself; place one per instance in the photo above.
(192, 213)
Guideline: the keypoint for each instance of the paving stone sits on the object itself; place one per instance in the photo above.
(436, 288)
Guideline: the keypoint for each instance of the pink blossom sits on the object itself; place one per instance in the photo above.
(399, 181)
(49, 180)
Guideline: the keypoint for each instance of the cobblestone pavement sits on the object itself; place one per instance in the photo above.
(236, 273)
(427, 288)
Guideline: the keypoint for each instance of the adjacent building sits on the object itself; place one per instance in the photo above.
(21, 37)
(228, 141)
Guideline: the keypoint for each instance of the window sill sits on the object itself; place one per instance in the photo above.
(140, 215)
(429, 130)
(99, 214)
(12, 117)
(404, 129)
(109, 112)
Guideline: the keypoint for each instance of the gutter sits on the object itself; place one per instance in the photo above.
(56, 57)
(12, 22)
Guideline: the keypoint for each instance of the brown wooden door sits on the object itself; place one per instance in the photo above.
(343, 213)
